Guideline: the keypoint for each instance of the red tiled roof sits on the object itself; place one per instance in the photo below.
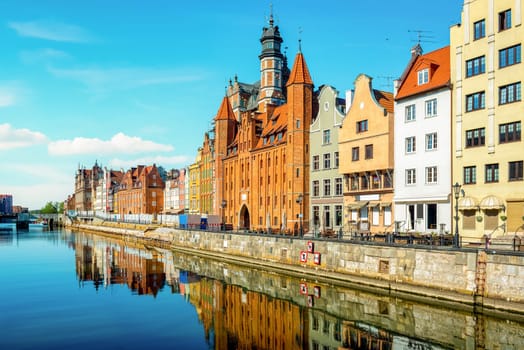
(385, 99)
(438, 63)
(299, 72)
(225, 111)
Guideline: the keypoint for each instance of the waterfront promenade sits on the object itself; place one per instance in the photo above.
(482, 279)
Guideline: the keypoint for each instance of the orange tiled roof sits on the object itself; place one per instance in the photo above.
(385, 99)
(438, 63)
(276, 122)
(225, 111)
(299, 72)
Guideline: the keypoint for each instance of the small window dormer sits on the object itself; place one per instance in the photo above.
(423, 76)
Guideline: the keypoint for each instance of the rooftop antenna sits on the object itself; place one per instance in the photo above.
(421, 37)
(388, 80)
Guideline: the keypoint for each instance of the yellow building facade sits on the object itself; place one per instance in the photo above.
(194, 185)
(366, 148)
(487, 114)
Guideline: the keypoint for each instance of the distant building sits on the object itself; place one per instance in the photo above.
(366, 141)
(326, 191)
(141, 191)
(105, 189)
(207, 177)
(6, 204)
(86, 181)
(175, 191)
(487, 148)
(423, 143)
(194, 185)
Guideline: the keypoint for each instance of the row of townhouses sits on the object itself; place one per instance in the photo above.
(442, 152)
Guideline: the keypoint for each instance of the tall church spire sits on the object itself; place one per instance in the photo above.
(271, 66)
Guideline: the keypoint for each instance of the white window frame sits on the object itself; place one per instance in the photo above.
(431, 108)
(423, 76)
(411, 113)
(326, 137)
(411, 145)
(431, 175)
(431, 141)
(411, 176)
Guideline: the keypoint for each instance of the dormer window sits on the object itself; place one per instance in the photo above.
(423, 76)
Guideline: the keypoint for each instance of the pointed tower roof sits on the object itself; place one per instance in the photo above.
(225, 112)
(299, 73)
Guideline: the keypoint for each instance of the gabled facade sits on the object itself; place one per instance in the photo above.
(422, 178)
(366, 143)
(207, 177)
(141, 191)
(326, 188)
(487, 149)
(263, 154)
(86, 181)
(175, 191)
(107, 185)
(194, 185)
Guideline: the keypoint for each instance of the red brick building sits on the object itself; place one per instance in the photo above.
(262, 144)
(141, 191)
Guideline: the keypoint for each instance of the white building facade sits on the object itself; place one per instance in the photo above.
(422, 147)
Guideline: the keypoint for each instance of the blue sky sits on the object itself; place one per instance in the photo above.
(138, 82)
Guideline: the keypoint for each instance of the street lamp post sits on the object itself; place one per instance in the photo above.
(223, 206)
(456, 192)
(300, 199)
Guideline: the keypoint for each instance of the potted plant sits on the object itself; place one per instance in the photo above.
(503, 217)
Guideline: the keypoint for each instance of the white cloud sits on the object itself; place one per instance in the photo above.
(40, 172)
(118, 144)
(158, 160)
(32, 56)
(50, 30)
(11, 138)
(101, 80)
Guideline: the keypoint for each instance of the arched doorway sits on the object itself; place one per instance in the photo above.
(244, 222)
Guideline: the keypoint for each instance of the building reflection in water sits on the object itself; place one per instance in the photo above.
(232, 316)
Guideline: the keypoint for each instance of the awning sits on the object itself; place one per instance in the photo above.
(357, 205)
(467, 202)
(373, 204)
(491, 202)
(385, 204)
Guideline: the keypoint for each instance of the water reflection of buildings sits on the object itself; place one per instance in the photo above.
(104, 263)
(233, 316)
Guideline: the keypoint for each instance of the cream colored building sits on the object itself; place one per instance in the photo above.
(487, 114)
(366, 158)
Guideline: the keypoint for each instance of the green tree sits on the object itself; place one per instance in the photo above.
(51, 208)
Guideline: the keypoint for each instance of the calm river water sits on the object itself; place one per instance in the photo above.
(62, 290)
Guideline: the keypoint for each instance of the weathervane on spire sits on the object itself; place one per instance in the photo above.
(271, 14)
(299, 39)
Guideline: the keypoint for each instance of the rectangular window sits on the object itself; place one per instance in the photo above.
(509, 132)
(431, 108)
(362, 126)
(336, 160)
(410, 113)
(338, 215)
(475, 101)
(327, 161)
(475, 137)
(327, 222)
(479, 30)
(509, 93)
(338, 186)
(327, 187)
(355, 153)
(411, 176)
(515, 171)
(316, 217)
(423, 76)
(475, 66)
(504, 20)
(369, 151)
(431, 141)
(364, 182)
(431, 175)
(470, 175)
(492, 173)
(326, 139)
(316, 162)
(509, 56)
(410, 144)
(315, 188)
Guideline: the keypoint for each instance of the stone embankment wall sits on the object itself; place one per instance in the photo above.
(475, 277)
